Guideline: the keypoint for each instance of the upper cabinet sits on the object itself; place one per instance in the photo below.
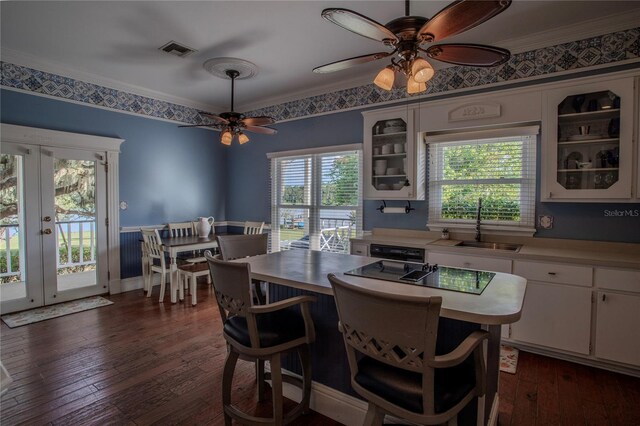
(587, 149)
(394, 159)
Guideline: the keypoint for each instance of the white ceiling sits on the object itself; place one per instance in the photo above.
(116, 43)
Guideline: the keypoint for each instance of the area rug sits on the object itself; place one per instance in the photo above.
(508, 359)
(54, 311)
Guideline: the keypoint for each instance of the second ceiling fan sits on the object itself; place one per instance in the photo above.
(406, 35)
(234, 124)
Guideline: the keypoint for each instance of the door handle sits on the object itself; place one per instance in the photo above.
(46, 231)
(47, 218)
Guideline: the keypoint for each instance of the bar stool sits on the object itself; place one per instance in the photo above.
(391, 343)
(239, 246)
(259, 333)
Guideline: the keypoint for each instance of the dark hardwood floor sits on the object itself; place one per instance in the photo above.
(138, 362)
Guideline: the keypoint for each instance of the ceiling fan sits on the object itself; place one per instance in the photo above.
(406, 35)
(233, 124)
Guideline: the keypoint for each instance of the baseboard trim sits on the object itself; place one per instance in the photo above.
(591, 362)
(331, 403)
(131, 284)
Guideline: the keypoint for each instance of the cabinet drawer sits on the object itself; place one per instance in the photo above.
(554, 272)
(360, 249)
(618, 279)
(471, 262)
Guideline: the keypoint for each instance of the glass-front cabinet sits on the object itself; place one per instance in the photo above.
(393, 158)
(587, 146)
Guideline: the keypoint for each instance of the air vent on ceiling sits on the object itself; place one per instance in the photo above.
(177, 49)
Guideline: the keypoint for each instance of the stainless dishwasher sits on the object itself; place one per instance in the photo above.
(406, 254)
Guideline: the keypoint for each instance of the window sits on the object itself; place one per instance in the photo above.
(497, 166)
(316, 198)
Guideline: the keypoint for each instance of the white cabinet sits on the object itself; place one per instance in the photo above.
(587, 145)
(617, 315)
(359, 249)
(394, 160)
(617, 337)
(556, 313)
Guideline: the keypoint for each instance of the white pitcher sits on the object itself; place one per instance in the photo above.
(203, 226)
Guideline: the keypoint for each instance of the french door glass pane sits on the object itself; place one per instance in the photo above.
(75, 210)
(12, 271)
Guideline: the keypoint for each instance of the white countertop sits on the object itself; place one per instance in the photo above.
(500, 303)
(616, 255)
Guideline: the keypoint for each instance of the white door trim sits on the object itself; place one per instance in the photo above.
(111, 148)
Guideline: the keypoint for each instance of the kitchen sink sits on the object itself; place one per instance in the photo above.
(490, 246)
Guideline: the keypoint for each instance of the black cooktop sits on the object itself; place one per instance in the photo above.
(454, 279)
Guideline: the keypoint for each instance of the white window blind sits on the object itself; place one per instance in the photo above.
(497, 166)
(316, 200)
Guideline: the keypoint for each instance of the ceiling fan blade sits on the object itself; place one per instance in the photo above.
(474, 55)
(461, 16)
(258, 121)
(207, 126)
(359, 24)
(215, 117)
(263, 130)
(346, 63)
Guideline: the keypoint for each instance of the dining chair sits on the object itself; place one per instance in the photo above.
(259, 333)
(238, 246)
(251, 228)
(188, 274)
(391, 349)
(156, 260)
(184, 229)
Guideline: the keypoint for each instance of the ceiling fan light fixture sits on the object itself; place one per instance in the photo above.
(414, 86)
(242, 138)
(421, 70)
(226, 137)
(384, 79)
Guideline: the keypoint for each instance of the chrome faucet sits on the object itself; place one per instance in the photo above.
(478, 235)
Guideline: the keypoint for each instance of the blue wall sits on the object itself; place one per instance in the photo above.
(248, 194)
(167, 174)
(172, 174)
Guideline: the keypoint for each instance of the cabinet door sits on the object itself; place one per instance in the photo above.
(359, 249)
(617, 319)
(555, 316)
(587, 145)
(393, 160)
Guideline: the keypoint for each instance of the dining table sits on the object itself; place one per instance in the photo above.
(175, 245)
(294, 272)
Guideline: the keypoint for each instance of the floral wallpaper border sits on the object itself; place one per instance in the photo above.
(600, 50)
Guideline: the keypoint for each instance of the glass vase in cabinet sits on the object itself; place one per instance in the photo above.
(393, 158)
(587, 148)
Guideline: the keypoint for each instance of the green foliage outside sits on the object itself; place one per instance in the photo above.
(494, 161)
(75, 257)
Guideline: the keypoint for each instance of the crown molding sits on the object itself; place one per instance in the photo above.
(579, 31)
(299, 95)
(31, 61)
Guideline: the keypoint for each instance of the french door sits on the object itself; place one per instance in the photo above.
(53, 234)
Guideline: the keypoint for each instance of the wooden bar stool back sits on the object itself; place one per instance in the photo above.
(260, 333)
(391, 348)
(239, 246)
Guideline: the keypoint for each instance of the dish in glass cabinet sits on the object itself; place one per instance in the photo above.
(395, 129)
(573, 159)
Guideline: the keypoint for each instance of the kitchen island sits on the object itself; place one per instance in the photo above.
(296, 272)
